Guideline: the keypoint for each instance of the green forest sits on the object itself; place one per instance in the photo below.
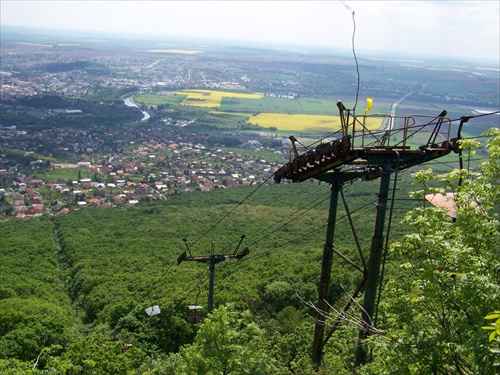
(75, 288)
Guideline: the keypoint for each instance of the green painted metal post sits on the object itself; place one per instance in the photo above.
(326, 270)
(212, 260)
(373, 267)
(211, 283)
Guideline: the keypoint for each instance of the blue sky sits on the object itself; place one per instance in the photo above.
(457, 29)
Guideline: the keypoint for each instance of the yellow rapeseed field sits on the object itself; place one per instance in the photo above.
(210, 98)
(312, 123)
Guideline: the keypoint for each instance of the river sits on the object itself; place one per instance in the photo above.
(129, 103)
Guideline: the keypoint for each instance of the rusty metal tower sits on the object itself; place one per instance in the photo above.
(357, 153)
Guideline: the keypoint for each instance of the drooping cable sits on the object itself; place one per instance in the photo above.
(294, 216)
(354, 53)
(234, 208)
(295, 239)
(285, 221)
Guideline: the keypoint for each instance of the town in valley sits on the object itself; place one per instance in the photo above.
(74, 133)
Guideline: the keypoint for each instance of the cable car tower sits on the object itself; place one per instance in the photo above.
(212, 260)
(357, 153)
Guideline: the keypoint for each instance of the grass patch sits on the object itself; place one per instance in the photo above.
(68, 174)
(318, 106)
(149, 99)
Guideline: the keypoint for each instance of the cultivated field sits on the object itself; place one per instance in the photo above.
(264, 104)
(310, 123)
(302, 114)
(152, 99)
(210, 98)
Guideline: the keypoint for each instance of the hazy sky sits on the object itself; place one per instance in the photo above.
(447, 28)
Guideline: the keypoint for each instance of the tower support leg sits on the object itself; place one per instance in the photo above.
(326, 270)
(373, 269)
(211, 286)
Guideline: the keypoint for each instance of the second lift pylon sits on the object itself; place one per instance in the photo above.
(212, 260)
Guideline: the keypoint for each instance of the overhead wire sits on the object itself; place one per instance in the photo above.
(293, 217)
(200, 279)
(204, 274)
(305, 209)
(354, 53)
(285, 221)
(233, 209)
(241, 202)
(293, 240)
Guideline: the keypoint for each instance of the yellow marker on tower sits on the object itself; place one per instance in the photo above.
(369, 103)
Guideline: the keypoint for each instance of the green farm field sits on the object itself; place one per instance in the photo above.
(149, 99)
(445, 88)
(277, 105)
(305, 105)
(265, 104)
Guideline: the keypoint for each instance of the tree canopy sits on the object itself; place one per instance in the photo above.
(74, 288)
(435, 303)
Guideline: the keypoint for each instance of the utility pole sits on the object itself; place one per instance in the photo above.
(212, 260)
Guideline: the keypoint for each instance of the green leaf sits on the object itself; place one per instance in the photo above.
(492, 336)
(494, 315)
